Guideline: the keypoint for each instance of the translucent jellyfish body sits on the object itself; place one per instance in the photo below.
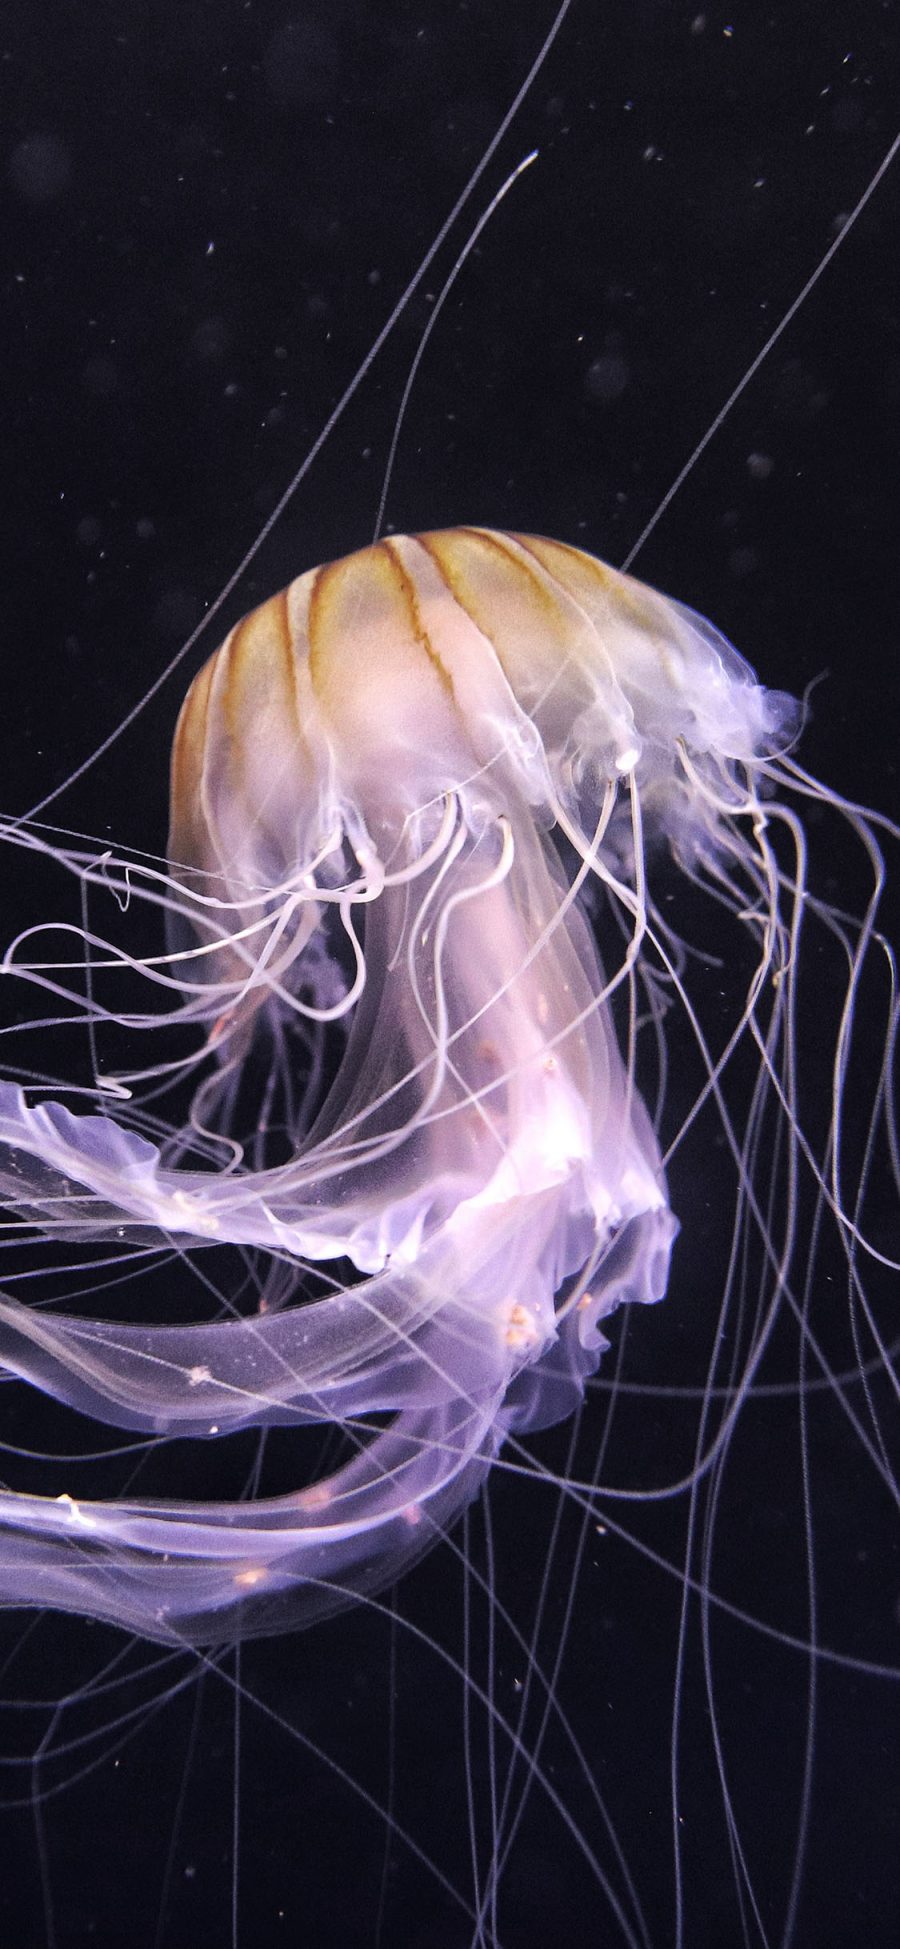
(405, 792)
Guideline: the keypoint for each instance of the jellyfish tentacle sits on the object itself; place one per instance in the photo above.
(403, 794)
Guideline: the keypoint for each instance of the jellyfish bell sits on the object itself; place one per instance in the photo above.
(402, 793)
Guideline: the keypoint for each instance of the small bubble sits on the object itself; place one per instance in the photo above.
(40, 168)
(607, 378)
(177, 612)
(300, 63)
(211, 338)
(100, 376)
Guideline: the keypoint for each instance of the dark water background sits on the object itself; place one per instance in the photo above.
(208, 210)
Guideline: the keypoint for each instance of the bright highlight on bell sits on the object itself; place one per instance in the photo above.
(409, 793)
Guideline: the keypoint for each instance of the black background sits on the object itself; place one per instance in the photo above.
(209, 211)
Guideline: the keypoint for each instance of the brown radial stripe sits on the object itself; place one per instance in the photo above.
(604, 574)
(186, 771)
(493, 540)
(259, 642)
(383, 553)
(409, 594)
(318, 603)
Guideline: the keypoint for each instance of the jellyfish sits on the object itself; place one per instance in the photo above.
(643, 1684)
(408, 794)
(492, 891)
